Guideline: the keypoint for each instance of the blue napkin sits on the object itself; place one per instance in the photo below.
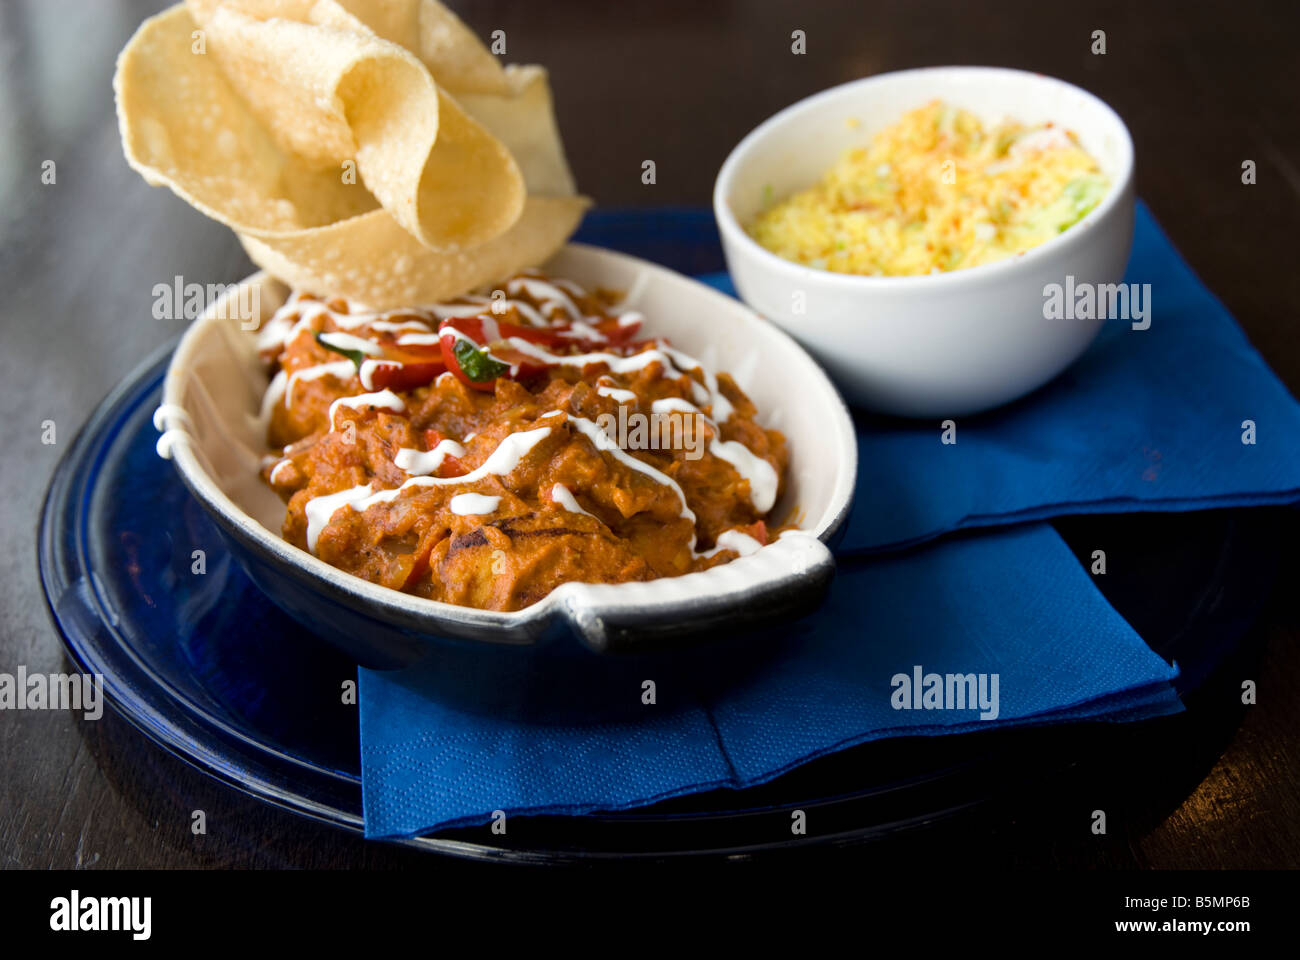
(1013, 603)
(1146, 420)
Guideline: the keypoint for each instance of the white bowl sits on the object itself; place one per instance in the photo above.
(213, 392)
(944, 344)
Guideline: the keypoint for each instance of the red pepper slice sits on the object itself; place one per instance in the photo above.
(405, 376)
(452, 467)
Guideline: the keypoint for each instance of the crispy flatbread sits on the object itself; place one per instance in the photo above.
(369, 148)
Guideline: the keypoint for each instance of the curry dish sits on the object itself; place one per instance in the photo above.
(484, 451)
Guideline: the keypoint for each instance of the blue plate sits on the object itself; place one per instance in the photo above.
(211, 670)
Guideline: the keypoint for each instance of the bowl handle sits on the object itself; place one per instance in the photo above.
(784, 580)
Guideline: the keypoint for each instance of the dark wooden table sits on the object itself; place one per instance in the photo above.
(1203, 88)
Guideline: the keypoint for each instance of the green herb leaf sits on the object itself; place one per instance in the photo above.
(477, 363)
(356, 356)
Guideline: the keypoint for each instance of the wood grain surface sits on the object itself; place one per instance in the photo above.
(1203, 88)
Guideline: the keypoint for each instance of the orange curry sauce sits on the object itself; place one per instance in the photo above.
(485, 451)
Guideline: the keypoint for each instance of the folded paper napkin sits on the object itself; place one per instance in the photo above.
(1013, 605)
(1147, 420)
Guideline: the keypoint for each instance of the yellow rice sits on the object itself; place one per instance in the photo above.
(936, 192)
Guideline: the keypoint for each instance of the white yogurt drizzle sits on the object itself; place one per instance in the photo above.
(763, 481)
(418, 327)
(473, 504)
(386, 326)
(564, 497)
(503, 459)
(526, 310)
(549, 294)
(569, 285)
(719, 404)
(367, 372)
(343, 369)
(383, 400)
(276, 333)
(580, 330)
(297, 314)
(419, 339)
(665, 355)
(346, 341)
(445, 311)
(321, 509)
(605, 444)
(605, 387)
(421, 463)
(737, 540)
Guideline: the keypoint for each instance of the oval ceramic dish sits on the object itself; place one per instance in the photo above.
(946, 344)
(211, 399)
